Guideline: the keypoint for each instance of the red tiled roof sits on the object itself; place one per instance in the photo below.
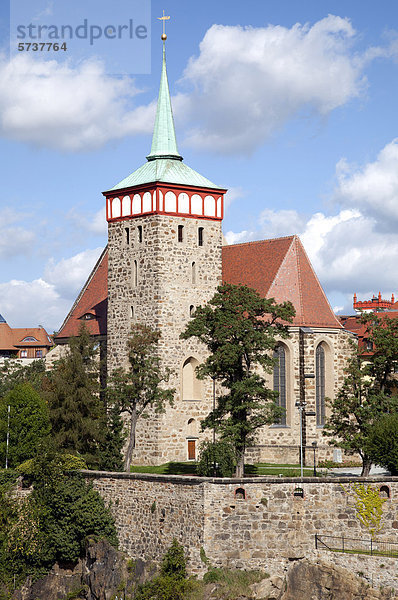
(11, 339)
(93, 299)
(277, 268)
(280, 269)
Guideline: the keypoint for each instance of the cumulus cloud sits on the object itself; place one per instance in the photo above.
(248, 82)
(69, 274)
(373, 188)
(67, 108)
(355, 249)
(14, 239)
(47, 300)
(32, 303)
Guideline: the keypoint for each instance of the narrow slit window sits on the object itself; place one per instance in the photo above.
(180, 233)
(127, 235)
(140, 234)
(132, 312)
(191, 310)
(193, 272)
(135, 273)
(200, 236)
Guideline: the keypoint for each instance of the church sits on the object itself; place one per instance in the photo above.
(165, 256)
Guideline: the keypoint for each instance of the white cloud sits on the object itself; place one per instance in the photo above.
(238, 238)
(248, 82)
(67, 108)
(32, 303)
(372, 188)
(47, 300)
(69, 274)
(14, 240)
(233, 193)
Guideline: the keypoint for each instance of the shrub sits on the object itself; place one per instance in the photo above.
(217, 459)
(383, 442)
(67, 463)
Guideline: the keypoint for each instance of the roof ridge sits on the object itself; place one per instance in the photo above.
(297, 241)
(285, 237)
(85, 286)
(319, 285)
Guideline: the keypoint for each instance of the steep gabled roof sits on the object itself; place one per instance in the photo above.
(280, 269)
(92, 300)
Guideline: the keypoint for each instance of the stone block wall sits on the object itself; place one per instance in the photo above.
(248, 524)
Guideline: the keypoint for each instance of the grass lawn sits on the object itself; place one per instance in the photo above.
(189, 468)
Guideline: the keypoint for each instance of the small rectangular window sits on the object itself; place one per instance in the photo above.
(127, 235)
(180, 233)
(140, 233)
(200, 236)
(132, 312)
(39, 353)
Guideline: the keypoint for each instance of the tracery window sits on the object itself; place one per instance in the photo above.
(280, 380)
(320, 385)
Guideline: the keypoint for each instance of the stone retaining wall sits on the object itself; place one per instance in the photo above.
(250, 523)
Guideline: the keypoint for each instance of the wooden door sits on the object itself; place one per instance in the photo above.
(191, 449)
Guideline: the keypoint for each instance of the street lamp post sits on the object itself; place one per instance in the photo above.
(301, 406)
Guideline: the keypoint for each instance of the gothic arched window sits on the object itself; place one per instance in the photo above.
(280, 380)
(191, 385)
(320, 385)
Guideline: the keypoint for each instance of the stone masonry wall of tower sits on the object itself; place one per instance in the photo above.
(150, 282)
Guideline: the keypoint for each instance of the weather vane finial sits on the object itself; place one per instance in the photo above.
(164, 19)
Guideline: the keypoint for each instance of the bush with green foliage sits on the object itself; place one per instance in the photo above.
(52, 524)
(67, 463)
(216, 459)
(383, 443)
(27, 422)
(172, 583)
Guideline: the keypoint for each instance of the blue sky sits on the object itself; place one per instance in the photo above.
(292, 106)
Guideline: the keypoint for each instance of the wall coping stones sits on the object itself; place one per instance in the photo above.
(194, 480)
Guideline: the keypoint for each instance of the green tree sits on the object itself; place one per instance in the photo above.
(26, 421)
(368, 391)
(240, 330)
(216, 459)
(13, 373)
(111, 458)
(383, 442)
(140, 387)
(76, 411)
(53, 523)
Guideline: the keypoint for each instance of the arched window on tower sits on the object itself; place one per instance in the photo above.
(280, 380)
(191, 385)
(320, 385)
(193, 273)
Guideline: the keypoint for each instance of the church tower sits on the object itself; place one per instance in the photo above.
(164, 245)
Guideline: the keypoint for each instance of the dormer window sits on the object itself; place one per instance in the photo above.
(30, 338)
(87, 317)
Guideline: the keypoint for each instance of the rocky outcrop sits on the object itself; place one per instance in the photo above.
(101, 575)
(307, 580)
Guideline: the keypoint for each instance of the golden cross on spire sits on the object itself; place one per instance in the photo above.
(164, 19)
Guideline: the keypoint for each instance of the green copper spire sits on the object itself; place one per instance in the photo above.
(164, 144)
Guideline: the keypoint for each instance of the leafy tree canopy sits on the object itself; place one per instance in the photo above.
(368, 391)
(240, 330)
(76, 411)
(383, 442)
(26, 421)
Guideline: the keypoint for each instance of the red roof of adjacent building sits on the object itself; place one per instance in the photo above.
(277, 268)
(13, 338)
(92, 300)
